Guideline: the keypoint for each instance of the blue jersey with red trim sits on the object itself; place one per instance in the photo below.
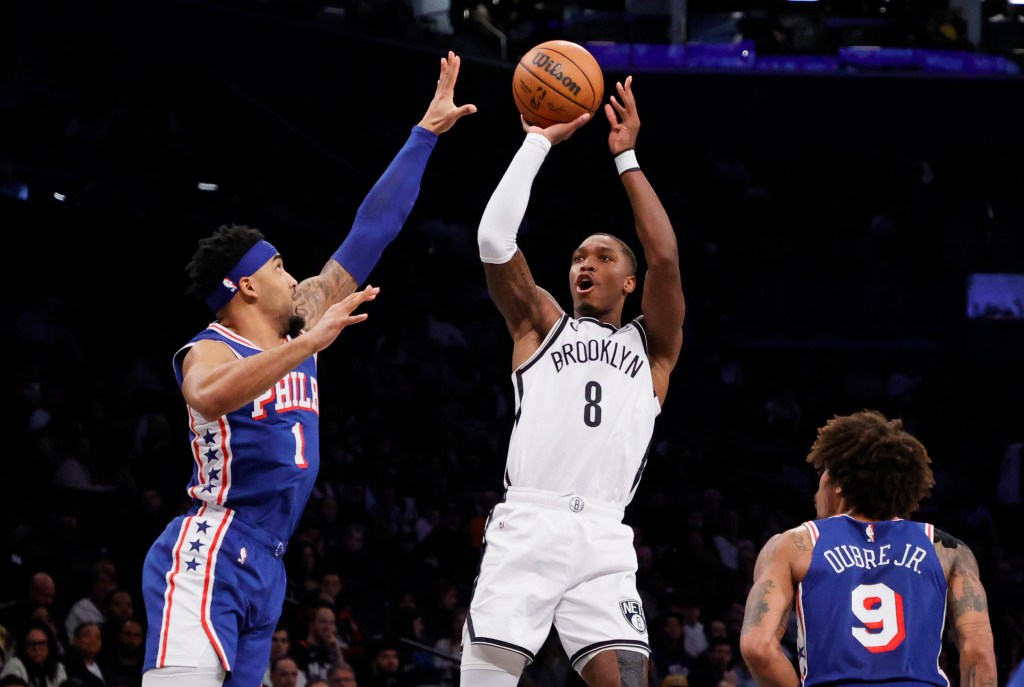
(872, 606)
(260, 460)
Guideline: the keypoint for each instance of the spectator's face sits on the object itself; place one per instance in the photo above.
(721, 655)
(323, 625)
(673, 629)
(717, 629)
(88, 641)
(279, 644)
(121, 606)
(105, 583)
(330, 585)
(130, 635)
(42, 591)
(37, 647)
(285, 673)
(342, 677)
(387, 661)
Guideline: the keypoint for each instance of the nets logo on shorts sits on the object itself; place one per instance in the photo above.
(633, 611)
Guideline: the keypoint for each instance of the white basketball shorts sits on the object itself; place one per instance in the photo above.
(562, 559)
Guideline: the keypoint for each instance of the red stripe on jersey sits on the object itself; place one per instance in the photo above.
(225, 442)
(207, 599)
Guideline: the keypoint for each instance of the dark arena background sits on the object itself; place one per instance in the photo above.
(847, 186)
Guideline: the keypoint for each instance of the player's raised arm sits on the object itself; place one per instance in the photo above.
(767, 611)
(387, 206)
(529, 311)
(662, 302)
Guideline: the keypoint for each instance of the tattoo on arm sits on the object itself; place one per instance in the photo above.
(800, 541)
(783, 624)
(972, 597)
(313, 296)
(970, 600)
(631, 668)
(757, 606)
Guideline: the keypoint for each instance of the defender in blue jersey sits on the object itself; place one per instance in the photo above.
(872, 590)
(214, 581)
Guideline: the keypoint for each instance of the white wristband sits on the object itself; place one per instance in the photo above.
(626, 161)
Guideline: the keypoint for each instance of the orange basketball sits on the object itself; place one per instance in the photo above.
(557, 81)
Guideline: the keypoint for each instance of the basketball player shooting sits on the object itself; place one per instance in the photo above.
(214, 580)
(588, 391)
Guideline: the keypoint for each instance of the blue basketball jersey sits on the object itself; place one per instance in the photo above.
(260, 460)
(872, 606)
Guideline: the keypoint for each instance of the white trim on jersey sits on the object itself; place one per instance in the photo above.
(221, 431)
(227, 333)
(812, 531)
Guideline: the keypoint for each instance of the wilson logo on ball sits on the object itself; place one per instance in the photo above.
(544, 61)
(557, 81)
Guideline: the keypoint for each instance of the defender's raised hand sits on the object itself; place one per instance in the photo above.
(442, 113)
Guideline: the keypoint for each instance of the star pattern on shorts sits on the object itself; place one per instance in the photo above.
(193, 564)
(202, 527)
(196, 545)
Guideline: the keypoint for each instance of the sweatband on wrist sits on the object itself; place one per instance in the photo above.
(499, 224)
(255, 258)
(626, 161)
(386, 207)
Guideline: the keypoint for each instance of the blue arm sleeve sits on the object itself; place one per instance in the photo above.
(386, 206)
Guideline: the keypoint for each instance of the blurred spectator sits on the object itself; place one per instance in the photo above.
(122, 656)
(321, 647)
(385, 667)
(92, 608)
(40, 596)
(36, 657)
(342, 675)
(281, 647)
(668, 652)
(80, 660)
(713, 666)
(284, 672)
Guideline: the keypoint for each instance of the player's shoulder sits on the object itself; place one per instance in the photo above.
(953, 553)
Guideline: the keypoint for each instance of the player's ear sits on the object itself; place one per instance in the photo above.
(247, 286)
(629, 285)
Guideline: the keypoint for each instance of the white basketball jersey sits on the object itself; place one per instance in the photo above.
(585, 411)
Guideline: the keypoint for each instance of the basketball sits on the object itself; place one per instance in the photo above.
(555, 82)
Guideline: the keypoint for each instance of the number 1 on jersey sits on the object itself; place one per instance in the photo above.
(300, 446)
(881, 611)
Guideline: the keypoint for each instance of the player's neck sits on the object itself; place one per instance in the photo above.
(251, 325)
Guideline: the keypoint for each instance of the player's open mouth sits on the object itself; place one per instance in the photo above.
(584, 284)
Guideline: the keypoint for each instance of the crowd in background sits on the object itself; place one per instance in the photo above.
(820, 280)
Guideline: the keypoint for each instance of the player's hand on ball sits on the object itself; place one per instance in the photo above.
(623, 117)
(442, 113)
(556, 133)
